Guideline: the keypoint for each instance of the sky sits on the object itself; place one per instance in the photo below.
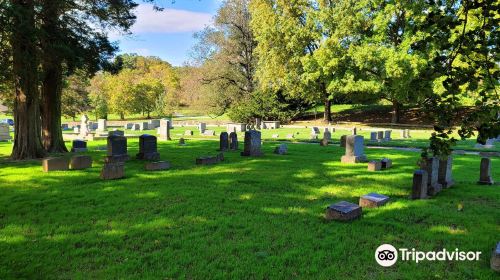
(167, 34)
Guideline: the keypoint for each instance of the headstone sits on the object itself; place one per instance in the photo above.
(128, 126)
(55, 164)
(374, 165)
(80, 162)
(135, 127)
(117, 149)
(202, 127)
(164, 130)
(445, 172)
(152, 124)
(148, 148)
(64, 126)
(282, 149)
(380, 136)
(386, 163)
(182, 142)
(495, 258)
(290, 136)
(343, 140)
(143, 126)
(208, 132)
(354, 150)
(343, 211)
(223, 142)
(419, 189)
(314, 130)
(387, 135)
(373, 200)
(236, 127)
(271, 124)
(258, 123)
(116, 133)
(275, 136)
(78, 146)
(408, 133)
(84, 129)
(156, 166)
(233, 141)
(431, 166)
(188, 133)
(252, 144)
(373, 136)
(113, 170)
(327, 135)
(485, 172)
(207, 160)
(354, 131)
(102, 125)
(76, 129)
(323, 142)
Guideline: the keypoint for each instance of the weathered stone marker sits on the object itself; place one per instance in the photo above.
(343, 211)
(207, 160)
(445, 172)
(386, 163)
(4, 132)
(387, 135)
(380, 136)
(182, 142)
(419, 189)
(102, 125)
(223, 142)
(55, 164)
(80, 162)
(252, 146)
(148, 148)
(354, 150)
(485, 172)
(202, 127)
(113, 170)
(282, 149)
(327, 134)
(233, 141)
(323, 142)
(116, 133)
(495, 258)
(156, 166)
(373, 200)
(374, 165)
(431, 166)
(354, 131)
(373, 136)
(208, 133)
(79, 146)
(117, 149)
(343, 139)
(164, 130)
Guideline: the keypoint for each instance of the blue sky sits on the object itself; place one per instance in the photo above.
(168, 34)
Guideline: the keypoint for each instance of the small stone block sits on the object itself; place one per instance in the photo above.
(113, 170)
(495, 258)
(157, 166)
(373, 200)
(386, 163)
(55, 164)
(343, 211)
(80, 162)
(374, 166)
(353, 159)
(208, 160)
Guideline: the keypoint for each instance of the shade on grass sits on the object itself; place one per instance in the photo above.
(256, 218)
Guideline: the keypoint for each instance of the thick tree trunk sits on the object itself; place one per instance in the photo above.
(327, 117)
(396, 112)
(27, 136)
(122, 116)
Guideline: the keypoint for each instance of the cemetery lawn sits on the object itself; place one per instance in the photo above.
(258, 218)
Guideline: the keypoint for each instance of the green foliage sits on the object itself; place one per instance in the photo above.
(75, 97)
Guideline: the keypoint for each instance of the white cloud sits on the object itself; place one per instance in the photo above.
(168, 20)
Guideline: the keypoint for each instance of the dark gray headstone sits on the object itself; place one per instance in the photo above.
(343, 211)
(380, 136)
(208, 160)
(148, 147)
(223, 142)
(80, 162)
(419, 189)
(282, 149)
(373, 136)
(252, 144)
(374, 165)
(117, 149)
(157, 166)
(113, 170)
(485, 172)
(79, 146)
(343, 141)
(327, 135)
(431, 166)
(387, 135)
(445, 172)
(373, 200)
(233, 141)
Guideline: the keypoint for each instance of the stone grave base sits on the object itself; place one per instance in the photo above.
(55, 164)
(210, 159)
(157, 166)
(79, 150)
(80, 162)
(148, 156)
(373, 200)
(343, 211)
(113, 170)
(120, 158)
(374, 166)
(353, 159)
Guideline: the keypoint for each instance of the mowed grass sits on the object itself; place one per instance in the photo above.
(246, 218)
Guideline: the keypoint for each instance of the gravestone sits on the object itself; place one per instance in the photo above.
(188, 133)
(84, 129)
(380, 136)
(323, 142)
(431, 166)
(374, 165)
(354, 131)
(102, 125)
(408, 133)
(343, 211)
(290, 136)
(445, 172)
(78, 146)
(80, 162)
(117, 149)
(495, 258)
(182, 142)
(314, 136)
(271, 124)
(164, 130)
(386, 163)
(202, 127)
(223, 142)
(148, 148)
(485, 172)
(327, 135)
(116, 133)
(343, 139)
(208, 160)
(64, 126)
(208, 132)
(354, 150)
(143, 126)
(419, 189)
(315, 130)
(373, 200)
(236, 127)
(55, 164)
(252, 146)
(387, 135)
(373, 136)
(128, 126)
(113, 170)
(282, 149)
(233, 141)
(152, 124)
(275, 136)
(135, 127)
(156, 166)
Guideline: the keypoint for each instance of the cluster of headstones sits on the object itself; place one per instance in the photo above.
(4, 132)
(405, 133)
(327, 135)
(202, 128)
(380, 136)
(347, 211)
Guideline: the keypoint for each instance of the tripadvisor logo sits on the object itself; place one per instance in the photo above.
(387, 255)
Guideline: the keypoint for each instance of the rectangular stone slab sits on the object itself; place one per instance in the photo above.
(55, 164)
(157, 166)
(374, 166)
(113, 170)
(343, 211)
(373, 200)
(419, 188)
(80, 162)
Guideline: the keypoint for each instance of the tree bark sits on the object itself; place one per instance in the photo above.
(396, 112)
(27, 136)
(327, 117)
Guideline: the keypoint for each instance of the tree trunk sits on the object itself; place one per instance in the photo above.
(396, 112)
(122, 116)
(327, 117)
(52, 138)
(149, 117)
(27, 136)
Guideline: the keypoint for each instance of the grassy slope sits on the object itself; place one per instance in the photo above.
(246, 218)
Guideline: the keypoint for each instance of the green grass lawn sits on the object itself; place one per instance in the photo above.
(257, 218)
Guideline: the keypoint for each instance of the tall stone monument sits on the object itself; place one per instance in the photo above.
(354, 150)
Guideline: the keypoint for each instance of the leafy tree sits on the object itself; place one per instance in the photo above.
(75, 97)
